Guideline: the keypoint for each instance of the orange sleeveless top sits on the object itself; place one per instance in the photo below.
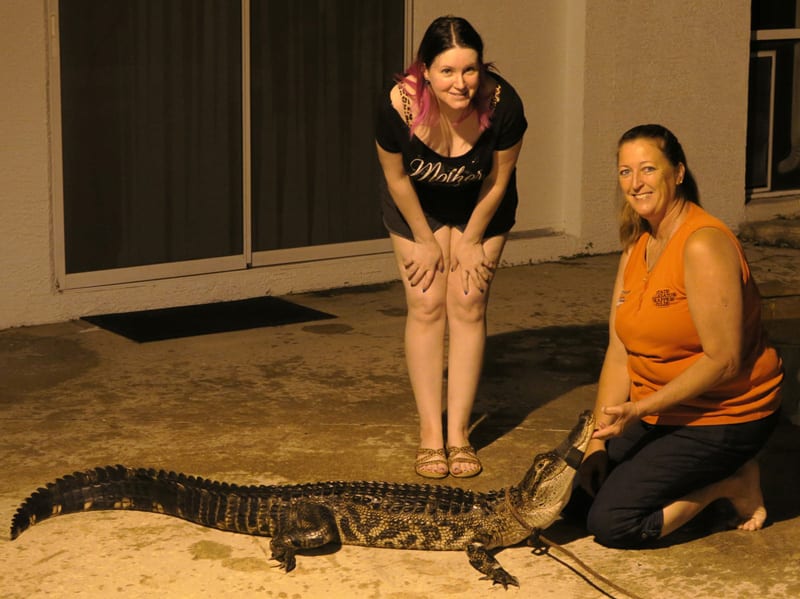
(654, 324)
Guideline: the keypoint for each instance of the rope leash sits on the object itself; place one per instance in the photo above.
(542, 546)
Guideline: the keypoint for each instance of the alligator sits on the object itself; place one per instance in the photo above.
(299, 517)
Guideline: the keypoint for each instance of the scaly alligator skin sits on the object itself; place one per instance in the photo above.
(306, 516)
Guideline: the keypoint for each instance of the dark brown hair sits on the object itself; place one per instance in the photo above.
(631, 224)
(443, 34)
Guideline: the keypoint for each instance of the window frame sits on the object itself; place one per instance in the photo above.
(769, 35)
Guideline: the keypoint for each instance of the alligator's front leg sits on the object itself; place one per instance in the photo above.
(484, 562)
(306, 526)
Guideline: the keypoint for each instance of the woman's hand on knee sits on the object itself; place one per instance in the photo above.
(476, 269)
(422, 264)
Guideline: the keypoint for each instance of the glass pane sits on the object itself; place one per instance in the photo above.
(758, 122)
(774, 14)
(318, 69)
(786, 128)
(151, 122)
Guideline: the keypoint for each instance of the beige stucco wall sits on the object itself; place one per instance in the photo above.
(586, 69)
(25, 246)
(682, 64)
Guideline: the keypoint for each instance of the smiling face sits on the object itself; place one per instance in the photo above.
(647, 178)
(454, 77)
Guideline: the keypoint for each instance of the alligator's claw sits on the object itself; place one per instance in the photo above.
(285, 556)
(500, 576)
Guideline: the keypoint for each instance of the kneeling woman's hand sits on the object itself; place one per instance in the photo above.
(616, 419)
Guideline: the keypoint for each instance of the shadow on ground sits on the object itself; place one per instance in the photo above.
(525, 370)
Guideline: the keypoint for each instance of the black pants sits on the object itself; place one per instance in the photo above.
(652, 466)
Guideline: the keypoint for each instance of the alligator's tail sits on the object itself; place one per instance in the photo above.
(212, 504)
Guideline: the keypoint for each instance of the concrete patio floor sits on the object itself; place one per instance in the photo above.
(330, 400)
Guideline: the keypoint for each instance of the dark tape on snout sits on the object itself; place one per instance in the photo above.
(574, 457)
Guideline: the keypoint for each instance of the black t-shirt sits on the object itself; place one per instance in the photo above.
(448, 187)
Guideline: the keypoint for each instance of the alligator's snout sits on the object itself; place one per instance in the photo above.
(547, 486)
(574, 445)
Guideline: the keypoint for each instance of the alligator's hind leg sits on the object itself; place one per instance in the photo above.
(484, 562)
(305, 526)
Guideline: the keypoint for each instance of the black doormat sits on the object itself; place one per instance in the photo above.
(221, 317)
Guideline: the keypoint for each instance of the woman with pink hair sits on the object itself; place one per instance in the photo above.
(448, 137)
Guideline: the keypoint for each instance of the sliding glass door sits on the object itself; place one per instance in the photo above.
(193, 134)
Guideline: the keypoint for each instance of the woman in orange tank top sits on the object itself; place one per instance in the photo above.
(689, 390)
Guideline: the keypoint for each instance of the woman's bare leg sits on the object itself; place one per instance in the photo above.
(424, 344)
(743, 489)
(466, 343)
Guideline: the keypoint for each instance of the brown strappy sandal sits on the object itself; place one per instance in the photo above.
(430, 457)
(463, 456)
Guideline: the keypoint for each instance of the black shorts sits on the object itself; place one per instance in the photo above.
(501, 223)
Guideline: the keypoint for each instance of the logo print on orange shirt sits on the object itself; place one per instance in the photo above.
(663, 298)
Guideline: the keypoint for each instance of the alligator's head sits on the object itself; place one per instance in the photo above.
(547, 485)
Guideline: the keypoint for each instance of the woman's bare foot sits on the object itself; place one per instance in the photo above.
(742, 489)
(746, 497)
